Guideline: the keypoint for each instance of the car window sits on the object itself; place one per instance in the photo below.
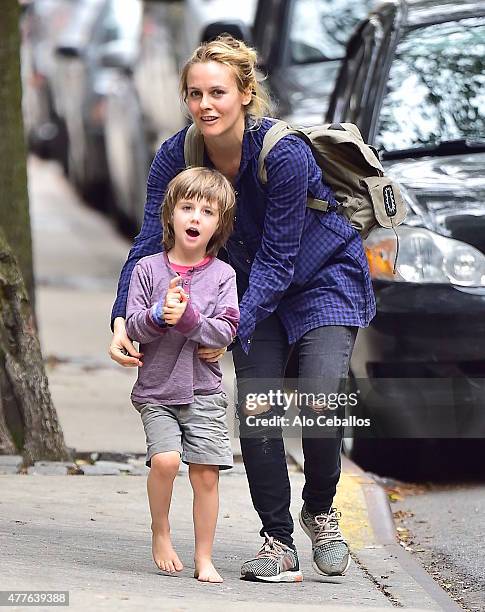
(436, 87)
(320, 29)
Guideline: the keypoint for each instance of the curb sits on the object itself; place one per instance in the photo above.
(383, 526)
(374, 542)
(93, 463)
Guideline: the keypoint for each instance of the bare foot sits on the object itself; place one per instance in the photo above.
(206, 572)
(164, 555)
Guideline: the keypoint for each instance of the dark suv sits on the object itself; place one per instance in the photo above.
(414, 81)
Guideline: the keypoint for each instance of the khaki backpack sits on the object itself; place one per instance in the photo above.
(366, 197)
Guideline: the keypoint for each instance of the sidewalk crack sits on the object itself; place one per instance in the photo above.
(382, 587)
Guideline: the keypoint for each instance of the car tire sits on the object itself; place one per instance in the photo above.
(373, 451)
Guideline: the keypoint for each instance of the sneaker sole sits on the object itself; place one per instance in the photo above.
(314, 565)
(282, 577)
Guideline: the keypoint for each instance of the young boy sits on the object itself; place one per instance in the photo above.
(178, 300)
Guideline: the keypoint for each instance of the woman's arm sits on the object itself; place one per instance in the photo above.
(168, 161)
(272, 270)
(165, 166)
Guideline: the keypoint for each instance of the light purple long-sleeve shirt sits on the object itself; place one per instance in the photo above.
(172, 372)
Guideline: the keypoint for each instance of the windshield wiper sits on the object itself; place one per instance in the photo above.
(445, 147)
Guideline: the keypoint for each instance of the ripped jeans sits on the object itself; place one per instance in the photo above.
(323, 355)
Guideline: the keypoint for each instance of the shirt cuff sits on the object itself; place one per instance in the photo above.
(117, 311)
(156, 315)
(245, 330)
(189, 320)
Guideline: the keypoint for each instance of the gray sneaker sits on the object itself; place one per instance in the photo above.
(275, 562)
(330, 551)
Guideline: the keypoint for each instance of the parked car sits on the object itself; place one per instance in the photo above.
(300, 42)
(413, 80)
(41, 24)
(93, 26)
(142, 106)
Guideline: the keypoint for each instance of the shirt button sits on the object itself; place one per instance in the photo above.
(241, 242)
(248, 261)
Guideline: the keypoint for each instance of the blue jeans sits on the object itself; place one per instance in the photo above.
(323, 355)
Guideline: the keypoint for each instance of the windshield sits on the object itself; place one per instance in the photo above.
(319, 29)
(436, 87)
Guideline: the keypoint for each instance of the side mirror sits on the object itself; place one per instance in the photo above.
(237, 29)
(118, 54)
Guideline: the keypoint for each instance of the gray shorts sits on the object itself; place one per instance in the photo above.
(197, 431)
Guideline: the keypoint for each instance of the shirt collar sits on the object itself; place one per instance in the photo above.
(249, 150)
(205, 263)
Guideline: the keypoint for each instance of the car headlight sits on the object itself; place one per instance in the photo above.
(423, 257)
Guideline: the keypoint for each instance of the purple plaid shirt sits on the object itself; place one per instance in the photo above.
(306, 265)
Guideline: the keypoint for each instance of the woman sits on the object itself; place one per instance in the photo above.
(303, 286)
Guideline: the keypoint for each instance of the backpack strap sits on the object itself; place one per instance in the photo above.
(193, 147)
(276, 132)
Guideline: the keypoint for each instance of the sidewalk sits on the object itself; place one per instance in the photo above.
(90, 535)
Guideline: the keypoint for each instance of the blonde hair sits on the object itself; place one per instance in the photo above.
(242, 59)
(200, 184)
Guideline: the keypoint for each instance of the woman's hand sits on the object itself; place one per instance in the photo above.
(211, 355)
(121, 348)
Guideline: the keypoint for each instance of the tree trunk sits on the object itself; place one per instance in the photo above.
(28, 410)
(14, 203)
(28, 420)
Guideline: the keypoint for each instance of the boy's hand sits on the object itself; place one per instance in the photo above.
(175, 302)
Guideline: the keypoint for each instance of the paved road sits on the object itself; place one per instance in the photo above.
(443, 525)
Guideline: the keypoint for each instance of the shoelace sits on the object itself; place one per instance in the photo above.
(327, 529)
(271, 548)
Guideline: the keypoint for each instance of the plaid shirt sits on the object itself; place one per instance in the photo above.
(306, 265)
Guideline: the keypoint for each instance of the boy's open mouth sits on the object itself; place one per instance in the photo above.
(192, 232)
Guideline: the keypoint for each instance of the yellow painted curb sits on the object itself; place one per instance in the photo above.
(355, 522)
(352, 501)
